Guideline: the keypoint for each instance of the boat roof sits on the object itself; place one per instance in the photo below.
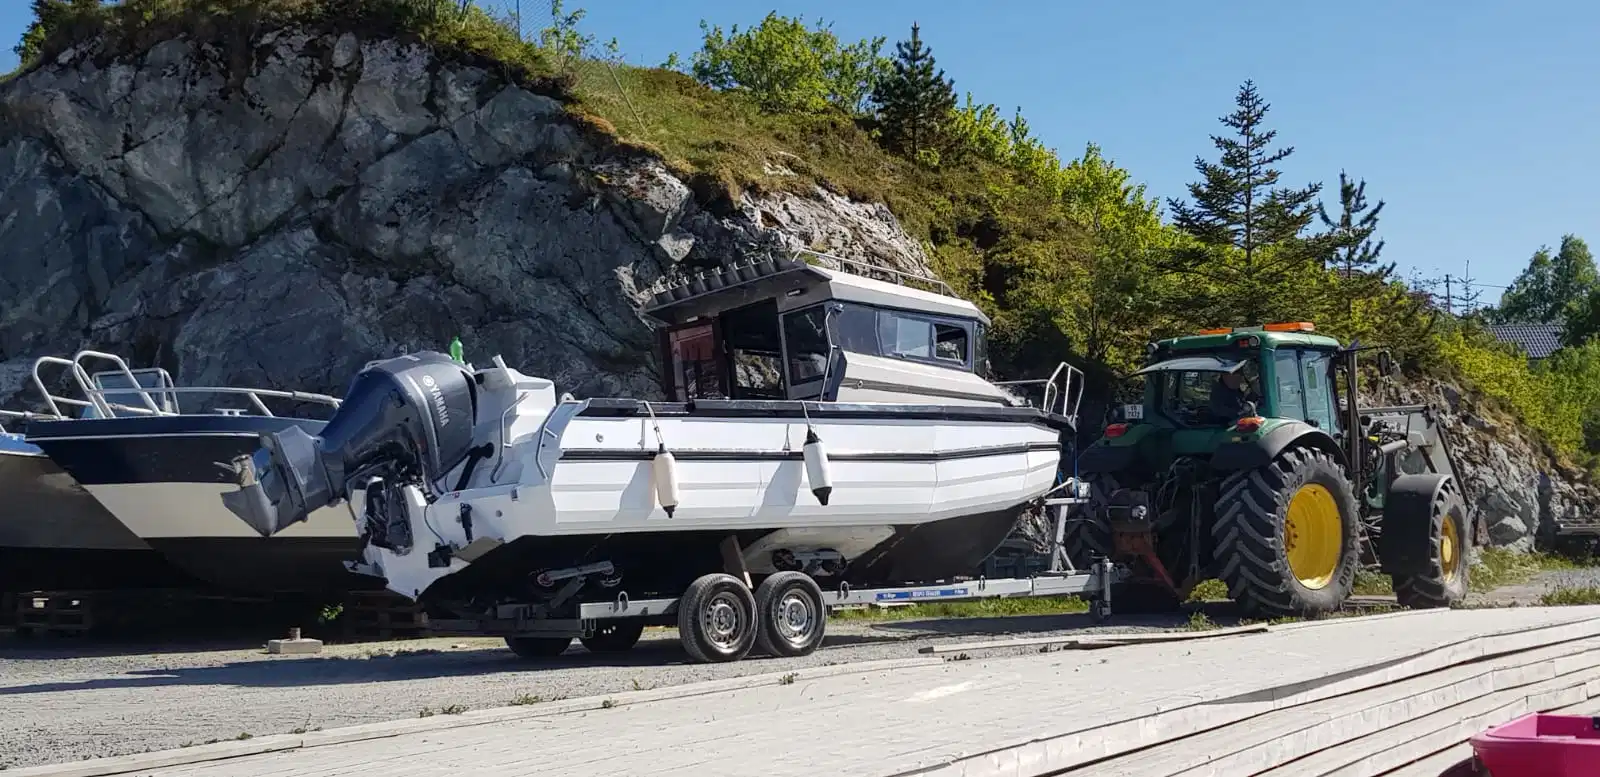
(794, 282)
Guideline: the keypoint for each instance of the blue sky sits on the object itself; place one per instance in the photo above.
(1478, 122)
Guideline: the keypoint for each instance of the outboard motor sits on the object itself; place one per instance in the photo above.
(406, 419)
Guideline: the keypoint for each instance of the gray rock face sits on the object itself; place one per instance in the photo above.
(346, 200)
(1518, 490)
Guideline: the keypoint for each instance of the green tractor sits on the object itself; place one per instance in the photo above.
(1248, 459)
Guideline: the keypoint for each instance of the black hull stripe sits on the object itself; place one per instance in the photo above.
(842, 411)
(166, 449)
(601, 454)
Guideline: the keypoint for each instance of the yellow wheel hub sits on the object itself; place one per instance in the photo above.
(1313, 537)
(1449, 547)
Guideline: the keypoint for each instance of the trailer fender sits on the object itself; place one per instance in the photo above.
(1404, 544)
(1258, 451)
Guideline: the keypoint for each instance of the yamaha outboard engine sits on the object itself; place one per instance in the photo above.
(406, 419)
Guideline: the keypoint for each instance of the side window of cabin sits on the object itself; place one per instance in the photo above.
(913, 337)
(807, 344)
(1319, 397)
(1286, 376)
(905, 336)
(950, 343)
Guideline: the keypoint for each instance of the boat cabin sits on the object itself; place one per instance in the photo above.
(791, 329)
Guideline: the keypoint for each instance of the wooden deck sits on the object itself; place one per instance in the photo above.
(1345, 696)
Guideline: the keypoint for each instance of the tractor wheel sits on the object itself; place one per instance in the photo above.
(1445, 581)
(1087, 537)
(1287, 541)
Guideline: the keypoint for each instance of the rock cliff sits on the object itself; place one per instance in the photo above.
(281, 219)
(334, 200)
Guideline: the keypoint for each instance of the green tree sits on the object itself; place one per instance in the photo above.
(1246, 230)
(1354, 255)
(788, 68)
(1109, 300)
(51, 16)
(1551, 288)
(915, 101)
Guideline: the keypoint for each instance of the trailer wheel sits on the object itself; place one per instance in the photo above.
(1444, 582)
(538, 647)
(717, 619)
(791, 616)
(614, 637)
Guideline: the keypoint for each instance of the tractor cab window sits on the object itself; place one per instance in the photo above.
(1286, 376)
(1314, 371)
(1207, 397)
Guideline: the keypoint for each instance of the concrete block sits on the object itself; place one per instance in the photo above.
(294, 647)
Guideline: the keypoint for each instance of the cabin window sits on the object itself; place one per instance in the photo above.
(695, 371)
(876, 332)
(907, 336)
(807, 344)
(980, 351)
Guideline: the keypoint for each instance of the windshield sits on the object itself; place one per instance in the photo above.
(1206, 397)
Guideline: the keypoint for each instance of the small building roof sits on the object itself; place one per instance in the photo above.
(1536, 340)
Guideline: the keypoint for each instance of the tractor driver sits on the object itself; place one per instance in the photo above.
(1229, 395)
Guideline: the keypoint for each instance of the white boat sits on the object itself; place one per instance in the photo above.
(151, 469)
(821, 422)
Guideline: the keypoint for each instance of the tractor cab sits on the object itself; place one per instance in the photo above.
(1224, 386)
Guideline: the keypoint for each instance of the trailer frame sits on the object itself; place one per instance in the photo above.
(531, 632)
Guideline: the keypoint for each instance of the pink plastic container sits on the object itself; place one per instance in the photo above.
(1539, 745)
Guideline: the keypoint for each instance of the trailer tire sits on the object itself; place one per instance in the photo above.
(717, 619)
(614, 637)
(538, 647)
(1444, 582)
(792, 619)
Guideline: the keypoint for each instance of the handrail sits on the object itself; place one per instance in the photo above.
(1059, 396)
(97, 396)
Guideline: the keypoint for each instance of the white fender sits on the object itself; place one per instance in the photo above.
(665, 469)
(816, 458)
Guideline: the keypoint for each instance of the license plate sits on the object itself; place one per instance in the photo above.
(1133, 412)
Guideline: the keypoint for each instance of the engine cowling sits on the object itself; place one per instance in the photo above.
(411, 416)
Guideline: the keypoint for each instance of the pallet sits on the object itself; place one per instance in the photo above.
(381, 616)
(52, 613)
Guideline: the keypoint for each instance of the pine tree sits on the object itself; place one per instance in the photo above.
(1246, 230)
(915, 101)
(1353, 253)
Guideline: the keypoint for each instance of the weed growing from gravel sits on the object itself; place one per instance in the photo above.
(787, 679)
(1571, 596)
(453, 709)
(982, 608)
(1199, 622)
(607, 704)
(527, 698)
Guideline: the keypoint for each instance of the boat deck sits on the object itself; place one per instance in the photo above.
(1333, 696)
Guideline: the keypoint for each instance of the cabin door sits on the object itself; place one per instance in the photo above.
(695, 363)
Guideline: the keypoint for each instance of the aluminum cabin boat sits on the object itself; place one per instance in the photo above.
(158, 469)
(819, 421)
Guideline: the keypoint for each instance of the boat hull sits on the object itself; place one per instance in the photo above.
(55, 536)
(913, 496)
(161, 478)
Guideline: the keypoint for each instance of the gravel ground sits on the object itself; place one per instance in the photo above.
(65, 701)
(1528, 593)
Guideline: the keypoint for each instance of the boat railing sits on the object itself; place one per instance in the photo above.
(1063, 390)
(160, 399)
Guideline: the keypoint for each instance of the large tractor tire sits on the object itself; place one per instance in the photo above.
(1444, 581)
(1286, 534)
